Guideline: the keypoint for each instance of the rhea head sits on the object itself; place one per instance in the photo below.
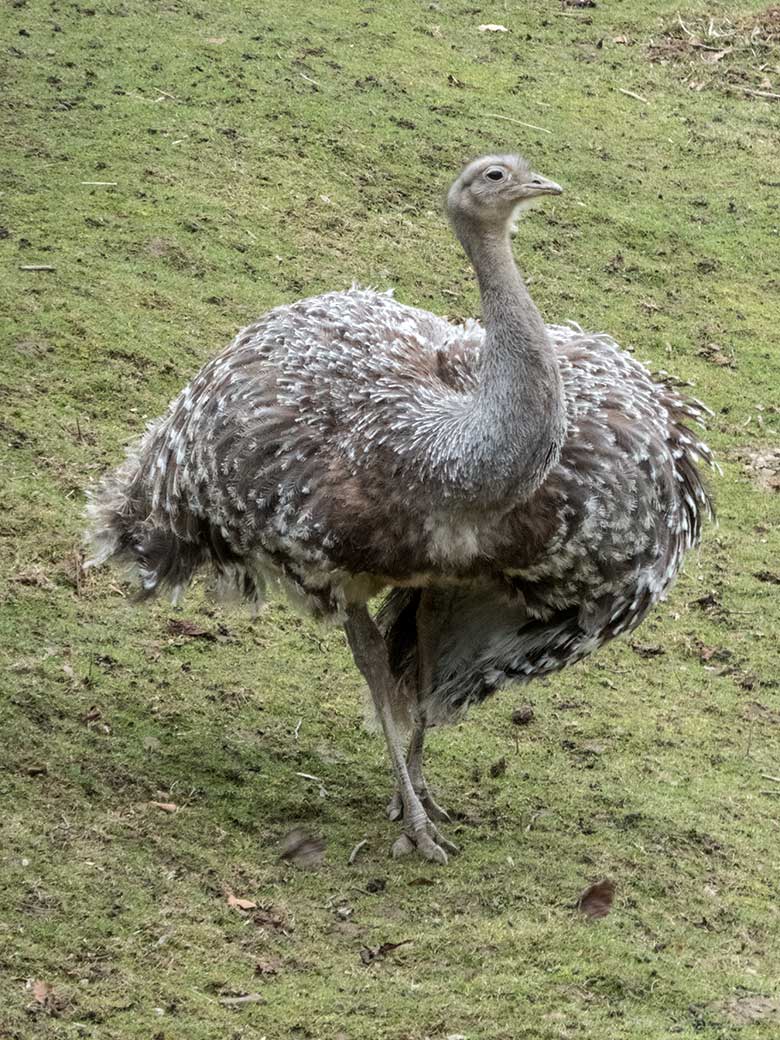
(490, 192)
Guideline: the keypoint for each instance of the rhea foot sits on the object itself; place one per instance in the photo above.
(395, 807)
(420, 833)
(428, 841)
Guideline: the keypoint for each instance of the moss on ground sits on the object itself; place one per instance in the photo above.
(251, 154)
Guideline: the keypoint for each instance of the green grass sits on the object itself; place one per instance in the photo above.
(262, 152)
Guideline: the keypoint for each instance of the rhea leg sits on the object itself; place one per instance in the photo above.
(427, 640)
(414, 765)
(370, 653)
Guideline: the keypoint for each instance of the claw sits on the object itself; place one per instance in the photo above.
(428, 848)
(423, 843)
(435, 811)
(402, 846)
(395, 807)
(448, 846)
(420, 832)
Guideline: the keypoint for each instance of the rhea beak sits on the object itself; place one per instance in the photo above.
(538, 185)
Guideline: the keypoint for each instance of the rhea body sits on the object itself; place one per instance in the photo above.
(348, 443)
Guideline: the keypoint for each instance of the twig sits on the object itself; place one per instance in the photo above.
(637, 97)
(78, 568)
(356, 851)
(760, 93)
(37, 267)
(102, 184)
(297, 729)
(323, 791)
(766, 776)
(509, 119)
(309, 80)
(250, 998)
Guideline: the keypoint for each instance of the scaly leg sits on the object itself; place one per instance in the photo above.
(370, 653)
(427, 637)
(414, 763)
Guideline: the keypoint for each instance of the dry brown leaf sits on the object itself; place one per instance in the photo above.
(41, 990)
(717, 653)
(369, 954)
(596, 900)
(302, 849)
(45, 999)
(169, 807)
(239, 904)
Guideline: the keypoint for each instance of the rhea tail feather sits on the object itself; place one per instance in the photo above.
(163, 559)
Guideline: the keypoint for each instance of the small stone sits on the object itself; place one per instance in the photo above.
(522, 715)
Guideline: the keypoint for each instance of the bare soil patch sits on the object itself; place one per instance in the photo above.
(738, 54)
(763, 465)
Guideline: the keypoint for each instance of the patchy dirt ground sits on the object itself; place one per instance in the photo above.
(169, 172)
(733, 51)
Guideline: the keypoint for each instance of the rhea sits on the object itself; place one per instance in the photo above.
(527, 491)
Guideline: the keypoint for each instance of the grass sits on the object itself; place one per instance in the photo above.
(256, 153)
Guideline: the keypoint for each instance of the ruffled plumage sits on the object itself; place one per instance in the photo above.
(287, 458)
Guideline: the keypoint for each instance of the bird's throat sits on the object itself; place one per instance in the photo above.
(519, 403)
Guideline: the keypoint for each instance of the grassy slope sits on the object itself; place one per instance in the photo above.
(245, 184)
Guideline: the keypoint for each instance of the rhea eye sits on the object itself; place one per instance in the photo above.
(495, 175)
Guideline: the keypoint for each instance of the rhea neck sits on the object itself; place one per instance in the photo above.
(518, 409)
(511, 319)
